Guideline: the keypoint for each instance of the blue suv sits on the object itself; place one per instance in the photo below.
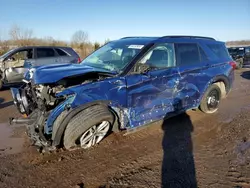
(123, 85)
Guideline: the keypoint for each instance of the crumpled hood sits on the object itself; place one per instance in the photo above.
(55, 72)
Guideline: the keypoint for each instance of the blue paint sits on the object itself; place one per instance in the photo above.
(55, 72)
(56, 112)
(141, 97)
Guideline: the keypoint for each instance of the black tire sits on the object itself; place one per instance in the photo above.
(57, 123)
(83, 121)
(208, 105)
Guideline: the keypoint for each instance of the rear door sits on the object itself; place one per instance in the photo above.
(191, 78)
(45, 56)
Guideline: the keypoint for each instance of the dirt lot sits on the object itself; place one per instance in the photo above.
(185, 151)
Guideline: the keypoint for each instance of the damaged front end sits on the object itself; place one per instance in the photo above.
(41, 104)
(36, 102)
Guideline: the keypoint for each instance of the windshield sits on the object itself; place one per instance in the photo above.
(114, 56)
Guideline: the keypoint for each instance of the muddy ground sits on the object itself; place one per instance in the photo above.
(184, 151)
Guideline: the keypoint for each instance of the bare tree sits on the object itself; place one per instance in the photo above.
(97, 45)
(80, 41)
(106, 41)
(0, 36)
(21, 36)
(79, 37)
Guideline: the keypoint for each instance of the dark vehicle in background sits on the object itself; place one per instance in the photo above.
(16, 62)
(241, 55)
(123, 85)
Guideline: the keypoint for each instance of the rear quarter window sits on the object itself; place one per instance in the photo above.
(61, 52)
(71, 52)
(219, 50)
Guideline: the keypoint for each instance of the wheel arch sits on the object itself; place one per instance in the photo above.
(73, 112)
(223, 83)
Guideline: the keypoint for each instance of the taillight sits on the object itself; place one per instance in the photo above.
(79, 60)
(233, 64)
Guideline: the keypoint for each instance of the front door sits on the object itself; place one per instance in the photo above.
(150, 94)
(15, 65)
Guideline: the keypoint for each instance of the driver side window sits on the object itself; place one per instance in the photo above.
(159, 57)
(18, 58)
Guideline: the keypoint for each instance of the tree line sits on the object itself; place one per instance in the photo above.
(19, 36)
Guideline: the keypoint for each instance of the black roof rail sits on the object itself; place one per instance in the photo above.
(186, 36)
(135, 37)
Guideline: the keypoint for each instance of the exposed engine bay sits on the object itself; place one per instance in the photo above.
(43, 96)
(37, 101)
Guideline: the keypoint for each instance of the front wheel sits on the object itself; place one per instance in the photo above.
(88, 127)
(211, 99)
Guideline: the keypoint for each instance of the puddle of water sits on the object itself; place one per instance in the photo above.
(9, 144)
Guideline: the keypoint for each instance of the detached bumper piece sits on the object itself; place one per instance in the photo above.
(34, 126)
(20, 100)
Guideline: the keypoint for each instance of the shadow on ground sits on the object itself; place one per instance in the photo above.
(5, 104)
(178, 168)
(246, 75)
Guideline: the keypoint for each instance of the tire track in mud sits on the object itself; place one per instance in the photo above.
(213, 155)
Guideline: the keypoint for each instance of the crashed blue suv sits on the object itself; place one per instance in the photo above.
(123, 85)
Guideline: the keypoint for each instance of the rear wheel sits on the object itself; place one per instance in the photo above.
(88, 127)
(211, 99)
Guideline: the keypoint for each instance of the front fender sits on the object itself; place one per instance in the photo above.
(56, 112)
(72, 102)
(70, 115)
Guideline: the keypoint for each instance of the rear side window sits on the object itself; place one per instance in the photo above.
(219, 50)
(61, 52)
(203, 55)
(45, 52)
(187, 54)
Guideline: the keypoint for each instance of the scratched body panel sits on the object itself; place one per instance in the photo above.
(141, 80)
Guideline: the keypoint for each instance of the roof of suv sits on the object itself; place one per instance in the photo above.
(26, 47)
(176, 38)
(70, 51)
